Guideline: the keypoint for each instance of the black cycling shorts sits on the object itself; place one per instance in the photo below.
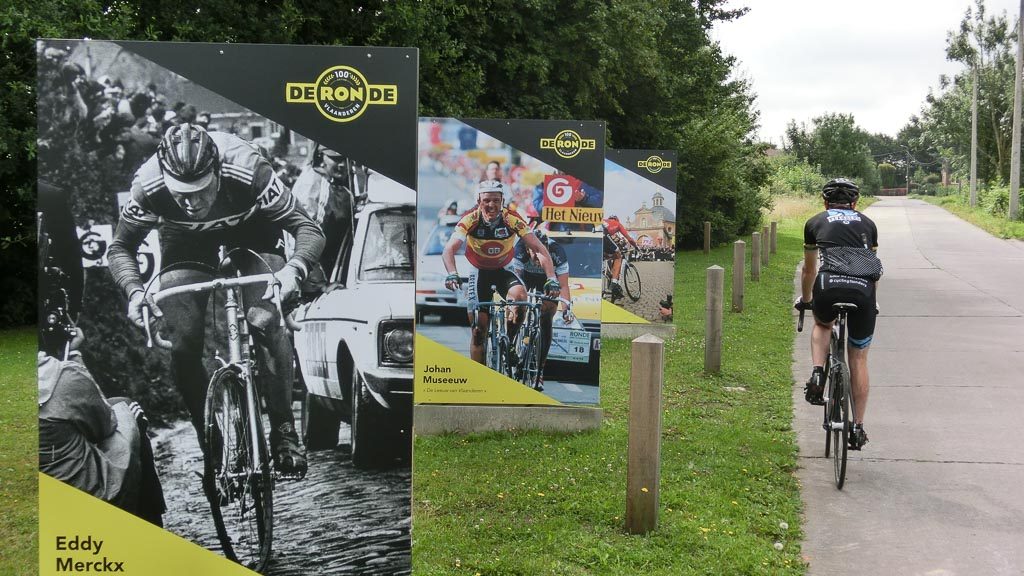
(190, 246)
(610, 247)
(832, 288)
(480, 282)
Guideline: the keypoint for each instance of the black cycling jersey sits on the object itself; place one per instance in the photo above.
(840, 227)
(523, 264)
(849, 272)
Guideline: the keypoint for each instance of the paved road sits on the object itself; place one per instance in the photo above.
(939, 490)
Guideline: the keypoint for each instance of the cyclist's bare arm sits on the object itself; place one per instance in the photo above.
(448, 254)
(543, 256)
(809, 273)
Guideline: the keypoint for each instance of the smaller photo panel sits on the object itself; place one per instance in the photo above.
(508, 275)
(639, 236)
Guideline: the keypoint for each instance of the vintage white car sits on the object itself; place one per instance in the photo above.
(355, 349)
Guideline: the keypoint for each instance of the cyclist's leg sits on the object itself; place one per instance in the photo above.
(547, 314)
(513, 288)
(861, 328)
(184, 321)
(479, 290)
(276, 361)
(821, 333)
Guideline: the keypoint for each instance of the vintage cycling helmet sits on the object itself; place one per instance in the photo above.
(486, 186)
(840, 191)
(188, 158)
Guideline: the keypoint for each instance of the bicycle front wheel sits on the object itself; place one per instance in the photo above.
(529, 351)
(238, 483)
(631, 278)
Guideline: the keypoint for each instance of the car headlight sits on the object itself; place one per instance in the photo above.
(396, 342)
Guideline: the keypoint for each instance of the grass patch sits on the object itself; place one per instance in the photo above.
(529, 503)
(999, 226)
(19, 462)
(534, 504)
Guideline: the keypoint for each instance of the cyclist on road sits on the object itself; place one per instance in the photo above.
(840, 265)
(203, 190)
(490, 233)
(613, 229)
(526, 265)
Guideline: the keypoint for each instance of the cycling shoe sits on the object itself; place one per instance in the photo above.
(858, 437)
(289, 455)
(814, 389)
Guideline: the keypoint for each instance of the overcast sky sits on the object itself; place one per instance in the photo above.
(875, 59)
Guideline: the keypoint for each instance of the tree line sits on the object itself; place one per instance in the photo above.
(649, 68)
(933, 142)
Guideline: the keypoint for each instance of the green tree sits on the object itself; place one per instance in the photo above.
(987, 43)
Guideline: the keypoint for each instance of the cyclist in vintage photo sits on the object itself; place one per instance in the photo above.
(840, 265)
(526, 265)
(202, 190)
(613, 232)
(490, 233)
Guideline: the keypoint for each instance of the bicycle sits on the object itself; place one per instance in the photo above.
(838, 419)
(528, 339)
(631, 281)
(238, 477)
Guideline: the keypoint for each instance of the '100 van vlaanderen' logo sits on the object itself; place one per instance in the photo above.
(568, 144)
(654, 164)
(341, 93)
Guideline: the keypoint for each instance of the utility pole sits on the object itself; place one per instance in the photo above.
(974, 134)
(1015, 152)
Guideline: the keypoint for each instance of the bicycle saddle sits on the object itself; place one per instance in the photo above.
(848, 306)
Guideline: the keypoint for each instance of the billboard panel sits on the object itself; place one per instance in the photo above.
(640, 231)
(508, 262)
(253, 206)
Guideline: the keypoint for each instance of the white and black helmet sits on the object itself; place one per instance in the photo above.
(840, 191)
(486, 186)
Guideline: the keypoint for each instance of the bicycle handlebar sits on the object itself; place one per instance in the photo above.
(800, 321)
(210, 286)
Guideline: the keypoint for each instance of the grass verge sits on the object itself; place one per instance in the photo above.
(534, 504)
(528, 503)
(18, 453)
(999, 226)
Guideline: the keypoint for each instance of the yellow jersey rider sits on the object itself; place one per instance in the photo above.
(490, 233)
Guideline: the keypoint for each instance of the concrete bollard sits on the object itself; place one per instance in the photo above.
(775, 237)
(713, 320)
(755, 256)
(643, 471)
(739, 262)
(765, 246)
(707, 238)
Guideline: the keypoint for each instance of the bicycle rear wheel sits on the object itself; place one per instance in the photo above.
(631, 278)
(841, 430)
(240, 487)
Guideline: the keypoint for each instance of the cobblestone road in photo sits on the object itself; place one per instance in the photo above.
(337, 521)
(657, 280)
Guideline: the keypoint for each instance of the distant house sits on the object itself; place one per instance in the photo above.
(654, 226)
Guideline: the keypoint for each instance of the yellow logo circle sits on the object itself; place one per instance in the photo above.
(342, 93)
(568, 144)
(655, 164)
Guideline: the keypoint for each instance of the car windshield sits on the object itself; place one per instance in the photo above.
(388, 247)
(438, 238)
(584, 255)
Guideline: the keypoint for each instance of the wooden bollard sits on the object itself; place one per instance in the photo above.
(707, 237)
(755, 256)
(739, 262)
(775, 237)
(713, 320)
(643, 471)
(765, 246)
